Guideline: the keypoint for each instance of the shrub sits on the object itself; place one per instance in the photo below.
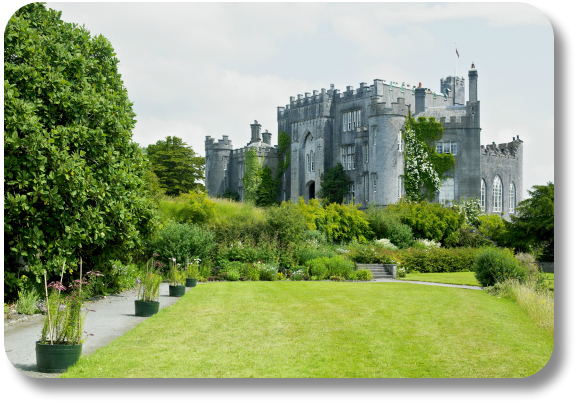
(428, 220)
(337, 278)
(181, 240)
(344, 223)
(315, 238)
(493, 227)
(363, 275)
(401, 272)
(286, 222)
(385, 243)
(371, 254)
(27, 302)
(469, 237)
(298, 273)
(324, 267)
(307, 253)
(493, 265)
(267, 272)
(437, 260)
(232, 274)
(381, 220)
(424, 244)
(400, 235)
(194, 207)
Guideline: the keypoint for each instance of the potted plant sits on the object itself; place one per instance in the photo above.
(192, 273)
(176, 280)
(148, 287)
(60, 344)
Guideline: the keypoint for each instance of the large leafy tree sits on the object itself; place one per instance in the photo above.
(72, 173)
(533, 222)
(334, 184)
(177, 166)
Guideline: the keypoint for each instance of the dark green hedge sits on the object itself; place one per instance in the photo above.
(438, 260)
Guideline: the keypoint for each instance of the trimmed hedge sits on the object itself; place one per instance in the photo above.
(438, 260)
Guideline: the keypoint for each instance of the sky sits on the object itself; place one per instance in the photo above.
(209, 69)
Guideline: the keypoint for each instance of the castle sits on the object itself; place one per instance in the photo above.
(361, 129)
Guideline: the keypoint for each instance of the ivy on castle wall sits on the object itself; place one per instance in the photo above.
(284, 155)
(424, 169)
(251, 179)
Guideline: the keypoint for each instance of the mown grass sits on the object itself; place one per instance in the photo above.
(327, 329)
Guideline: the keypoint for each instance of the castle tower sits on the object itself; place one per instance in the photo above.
(217, 164)
(473, 76)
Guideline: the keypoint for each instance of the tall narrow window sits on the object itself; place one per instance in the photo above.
(358, 118)
(374, 131)
(354, 118)
(366, 180)
(366, 153)
(349, 121)
(400, 187)
(353, 157)
(308, 162)
(344, 122)
(483, 195)
(447, 147)
(497, 195)
(313, 163)
(374, 183)
(399, 142)
(447, 191)
(512, 197)
(454, 147)
(344, 157)
(351, 191)
(439, 147)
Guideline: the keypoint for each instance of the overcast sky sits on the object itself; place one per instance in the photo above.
(194, 70)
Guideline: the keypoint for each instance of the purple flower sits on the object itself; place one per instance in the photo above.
(57, 286)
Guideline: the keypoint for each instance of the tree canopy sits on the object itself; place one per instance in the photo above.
(73, 175)
(533, 222)
(177, 166)
(334, 184)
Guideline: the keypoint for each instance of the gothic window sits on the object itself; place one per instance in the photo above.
(447, 192)
(308, 162)
(512, 197)
(483, 195)
(313, 163)
(400, 187)
(497, 194)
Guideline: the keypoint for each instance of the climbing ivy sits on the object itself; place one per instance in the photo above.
(284, 155)
(251, 179)
(424, 168)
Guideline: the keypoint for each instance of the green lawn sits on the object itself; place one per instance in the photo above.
(327, 329)
(458, 278)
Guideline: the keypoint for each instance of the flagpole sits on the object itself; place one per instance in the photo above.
(456, 70)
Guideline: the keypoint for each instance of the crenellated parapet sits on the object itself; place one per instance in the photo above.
(222, 144)
(380, 108)
(502, 150)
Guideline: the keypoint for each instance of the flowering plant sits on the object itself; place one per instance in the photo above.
(386, 243)
(149, 282)
(425, 244)
(193, 269)
(64, 318)
(176, 275)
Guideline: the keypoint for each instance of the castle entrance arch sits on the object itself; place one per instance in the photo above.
(311, 190)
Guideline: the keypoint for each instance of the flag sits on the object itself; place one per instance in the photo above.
(457, 52)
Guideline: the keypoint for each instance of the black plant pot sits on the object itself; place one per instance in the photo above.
(56, 358)
(145, 309)
(177, 291)
(191, 282)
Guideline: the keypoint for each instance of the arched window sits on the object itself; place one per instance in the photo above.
(308, 161)
(497, 194)
(447, 191)
(400, 187)
(483, 195)
(512, 197)
(313, 162)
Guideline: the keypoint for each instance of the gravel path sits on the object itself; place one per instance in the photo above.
(112, 317)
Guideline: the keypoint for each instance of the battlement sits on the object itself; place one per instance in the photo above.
(380, 108)
(502, 150)
(223, 144)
